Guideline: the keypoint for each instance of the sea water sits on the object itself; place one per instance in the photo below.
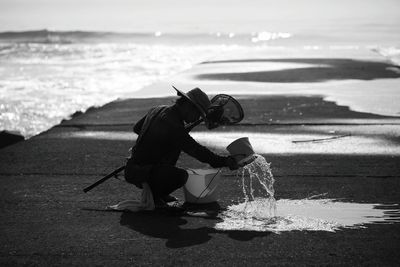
(45, 76)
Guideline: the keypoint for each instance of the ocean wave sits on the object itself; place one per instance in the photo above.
(60, 37)
(391, 53)
(269, 36)
(71, 37)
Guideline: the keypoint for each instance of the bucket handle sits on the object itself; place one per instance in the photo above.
(192, 170)
(208, 184)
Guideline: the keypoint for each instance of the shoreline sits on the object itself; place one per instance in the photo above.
(352, 108)
(358, 77)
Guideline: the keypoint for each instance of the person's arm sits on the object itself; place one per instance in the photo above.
(203, 154)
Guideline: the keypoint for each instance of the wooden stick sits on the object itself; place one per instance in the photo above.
(321, 139)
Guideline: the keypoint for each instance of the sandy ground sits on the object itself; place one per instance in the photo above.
(46, 219)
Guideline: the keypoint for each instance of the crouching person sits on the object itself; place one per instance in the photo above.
(161, 138)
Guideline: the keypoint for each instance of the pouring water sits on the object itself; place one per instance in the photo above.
(260, 204)
(257, 181)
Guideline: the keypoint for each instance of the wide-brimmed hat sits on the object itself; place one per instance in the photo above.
(198, 98)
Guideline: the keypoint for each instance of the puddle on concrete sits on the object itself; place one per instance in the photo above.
(306, 215)
(261, 212)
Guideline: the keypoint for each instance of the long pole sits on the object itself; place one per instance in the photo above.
(108, 176)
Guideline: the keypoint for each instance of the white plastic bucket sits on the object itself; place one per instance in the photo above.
(202, 186)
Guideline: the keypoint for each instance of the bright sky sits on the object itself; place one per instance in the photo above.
(190, 15)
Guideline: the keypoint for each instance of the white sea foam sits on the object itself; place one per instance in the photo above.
(268, 36)
(392, 53)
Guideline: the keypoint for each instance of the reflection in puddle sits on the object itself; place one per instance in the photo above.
(306, 215)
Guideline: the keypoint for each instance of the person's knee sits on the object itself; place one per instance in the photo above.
(135, 174)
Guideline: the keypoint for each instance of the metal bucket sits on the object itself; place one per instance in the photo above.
(202, 186)
(241, 150)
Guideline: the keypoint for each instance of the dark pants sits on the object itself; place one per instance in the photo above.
(165, 179)
(162, 179)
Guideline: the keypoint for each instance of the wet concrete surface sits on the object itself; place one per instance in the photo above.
(46, 219)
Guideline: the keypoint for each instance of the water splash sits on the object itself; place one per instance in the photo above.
(259, 171)
(258, 211)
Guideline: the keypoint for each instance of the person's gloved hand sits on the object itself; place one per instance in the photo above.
(231, 163)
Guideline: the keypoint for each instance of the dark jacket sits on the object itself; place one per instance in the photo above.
(165, 137)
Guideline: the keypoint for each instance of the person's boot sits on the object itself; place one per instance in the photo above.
(159, 203)
(169, 198)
